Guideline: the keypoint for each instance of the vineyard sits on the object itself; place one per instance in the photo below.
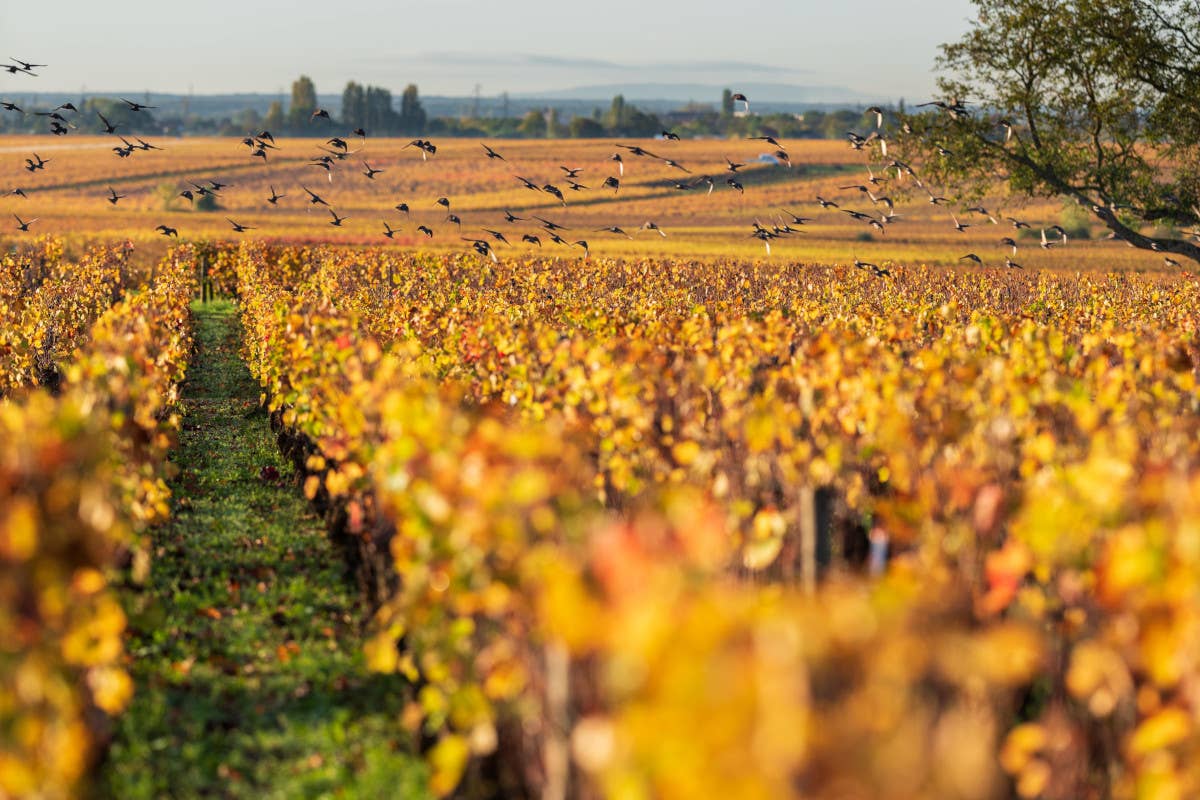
(634, 527)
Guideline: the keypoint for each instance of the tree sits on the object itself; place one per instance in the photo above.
(727, 103)
(533, 124)
(304, 102)
(273, 121)
(618, 115)
(412, 115)
(1108, 116)
(585, 128)
(354, 106)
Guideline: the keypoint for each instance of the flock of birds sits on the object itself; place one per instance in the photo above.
(336, 150)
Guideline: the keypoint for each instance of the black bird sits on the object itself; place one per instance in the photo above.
(136, 106)
(217, 185)
(765, 236)
(388, 230)
(266, 136)
(528, 183)
(401, 207)
(875, 269)
(572, 172)
(238, 227)
(144, 145)
(58, 130)
(738, 97)
(620, 164)
(638, 151)
(340, 144)
(768, 139)
(25, 65)
(275, 197)
(670, 162)
(426, 230)
(67, 107)
(320, 113)
(612, 183)
(821, 201)
(510, 217)
(13, 69)
(191, 198)
(784, 157)
(22, 225)
(360, 133)
(984, 212)
(1017, 224)
(19, 192)
(497, 235)
(972, 257)
(108, 126)
(614, 229)
(961, 227)
(314, 198)
(550, 188)
(483, 247)
(583, 243)
(1008, 262)
(653, 226)
(370, 171)
(12, 107)
(444, 202)
(741, 189)
(532, 239)
(551, 226)
(490, 152)
(167, 231)
(1010, 242)
(878, 112)
(575, 187)
(670, 136)
(732, 166)
(455, 219)
(113, 197)
(40, 163)
(705, 179)
(336, 221)
(796, 218)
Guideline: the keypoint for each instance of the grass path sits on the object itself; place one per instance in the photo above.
(245, 644)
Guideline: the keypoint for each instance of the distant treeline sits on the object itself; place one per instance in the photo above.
(375, 110)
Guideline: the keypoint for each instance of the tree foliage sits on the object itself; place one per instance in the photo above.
(1094, 100)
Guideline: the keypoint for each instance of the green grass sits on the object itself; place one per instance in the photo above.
(245, 643)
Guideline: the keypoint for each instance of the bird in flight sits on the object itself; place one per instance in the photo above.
(491, 154)
(738, 97)
(653, 226)
(108, 126)
(388, 230)
(336, 221)
(166, 230)
(314, 198)
(319, 113)
(972, 257)
(113, 197)
(23, 225)
(614, 229)
(136, 106)
(238, 227)
(370, 171)
(275, 196)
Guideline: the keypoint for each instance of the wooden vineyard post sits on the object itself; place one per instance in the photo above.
(555, 747)
(816, 535)
(206, 287)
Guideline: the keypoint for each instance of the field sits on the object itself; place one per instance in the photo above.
(679, 519)
(69, 199)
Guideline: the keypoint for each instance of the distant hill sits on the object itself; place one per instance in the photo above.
(783, 93)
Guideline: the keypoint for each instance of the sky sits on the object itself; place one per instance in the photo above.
(880, 48)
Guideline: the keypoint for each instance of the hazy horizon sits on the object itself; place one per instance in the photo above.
(447, 47)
